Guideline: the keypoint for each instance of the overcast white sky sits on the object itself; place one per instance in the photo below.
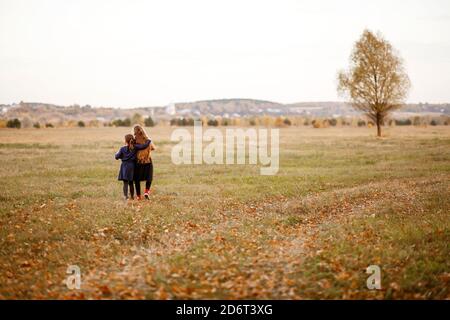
(144, 53)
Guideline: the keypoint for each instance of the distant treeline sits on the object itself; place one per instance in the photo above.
(270, 121)
(126, 122)
(267, 121)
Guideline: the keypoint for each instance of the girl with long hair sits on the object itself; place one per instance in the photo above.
(144, 163)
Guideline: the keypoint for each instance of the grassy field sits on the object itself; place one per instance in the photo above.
(342, 200)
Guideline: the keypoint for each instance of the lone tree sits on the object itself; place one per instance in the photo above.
(376, 81)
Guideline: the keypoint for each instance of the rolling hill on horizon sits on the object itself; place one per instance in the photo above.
(44, 112)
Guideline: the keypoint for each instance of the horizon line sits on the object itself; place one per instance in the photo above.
(203, 100)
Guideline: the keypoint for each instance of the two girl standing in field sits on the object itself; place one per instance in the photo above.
(136, 164)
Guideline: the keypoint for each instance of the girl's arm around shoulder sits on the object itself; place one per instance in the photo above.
(142, 146)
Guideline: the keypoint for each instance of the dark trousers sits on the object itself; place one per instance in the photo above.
(148, 181)
(127, 184)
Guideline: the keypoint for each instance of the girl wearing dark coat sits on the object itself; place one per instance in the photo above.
(127, 154)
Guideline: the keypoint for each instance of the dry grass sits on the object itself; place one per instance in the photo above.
(342, 200)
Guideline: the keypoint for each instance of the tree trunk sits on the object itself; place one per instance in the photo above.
(378, 125)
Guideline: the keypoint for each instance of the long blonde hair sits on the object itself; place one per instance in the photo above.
(143, 156)
(139, 134)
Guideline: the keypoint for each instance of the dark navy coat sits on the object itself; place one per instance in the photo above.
(128, 158)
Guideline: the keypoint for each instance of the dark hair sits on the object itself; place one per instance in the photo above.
(129, 139)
